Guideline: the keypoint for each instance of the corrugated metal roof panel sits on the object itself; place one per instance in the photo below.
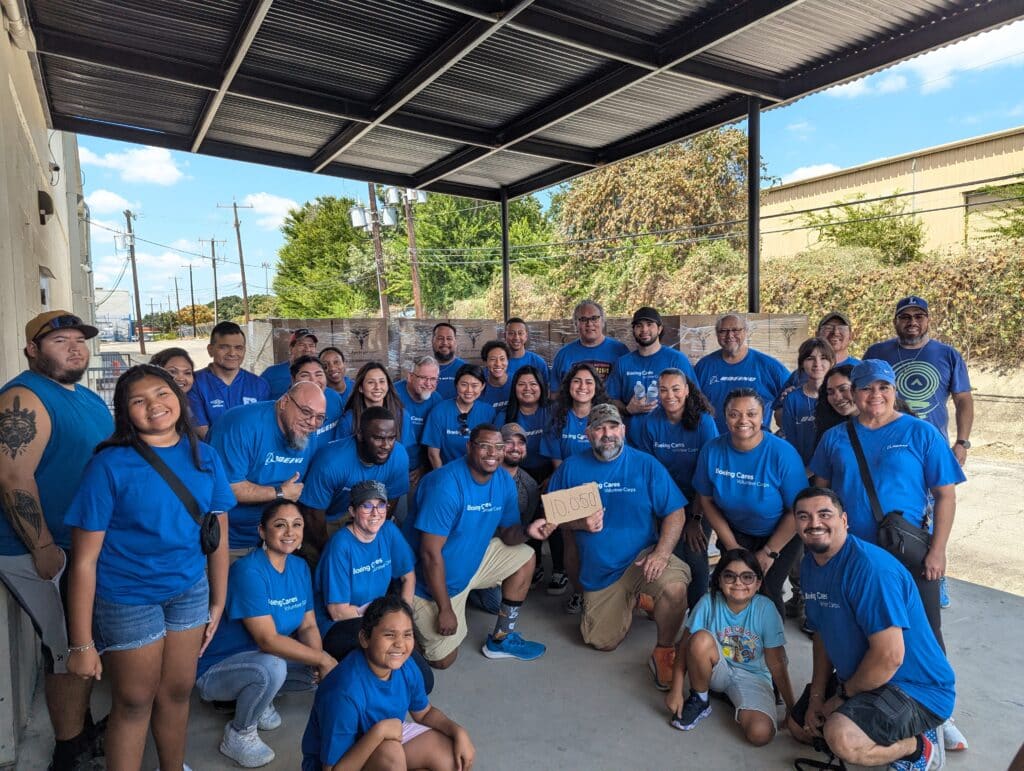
(650, 19)
(503, 168)
(269, 127)
(397, 151)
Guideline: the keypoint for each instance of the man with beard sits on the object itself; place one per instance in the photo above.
(592, 346)
(373, 453)
(881, 685)
(626, 549)
(224, 384)
(266, 448)
(445, 347)
(278, 376)
(644, 365)
(38, 478)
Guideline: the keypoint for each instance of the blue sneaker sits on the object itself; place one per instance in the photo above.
(943, 594)
(513, 647)
(933, 754)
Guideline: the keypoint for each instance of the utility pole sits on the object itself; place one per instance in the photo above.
(378, 254)
(266, 275)
(414, 261)
(177, 298)
(241, 260)
(135, 281)
(151, 311)
(192, 298)
(213, 260)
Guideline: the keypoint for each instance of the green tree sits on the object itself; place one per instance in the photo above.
(183, 318)
(164, 321)
(1007, 221)
(885, 226)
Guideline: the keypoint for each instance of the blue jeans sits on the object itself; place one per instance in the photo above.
(253, 678)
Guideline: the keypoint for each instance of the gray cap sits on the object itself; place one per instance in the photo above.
(367, 490)
(603, 413)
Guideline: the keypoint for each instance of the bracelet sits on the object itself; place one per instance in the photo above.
(82, 648)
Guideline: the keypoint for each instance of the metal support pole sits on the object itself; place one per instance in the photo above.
(506, 277)
(378, 254)
(753, 204)
(135, 281)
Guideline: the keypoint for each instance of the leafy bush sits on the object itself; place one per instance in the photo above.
(882, 225)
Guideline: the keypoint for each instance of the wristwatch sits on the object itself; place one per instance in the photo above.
(773, 554)
(965, 443)
(279, 492)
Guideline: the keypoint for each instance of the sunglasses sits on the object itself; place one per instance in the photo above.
(61, 322)
(464, 423)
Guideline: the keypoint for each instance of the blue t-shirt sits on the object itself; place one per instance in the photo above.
(446, 378)
(350, 701)
(752, 489)
(254, 449)
(798, 377)
(79, 420)
(925, 377)
(351, 572)
(210, 398)
(798, 423)
(534, 360)
(601, 357)
(863, 590)
(497, 396)
(417, 412)
(636, 491)
(337, 466)
(907, 458)
(347, 427)
(443, 430)
(256, 589)
(742, 637)
(279, 378)
(675, 447)
(534, 425)
(764, 373)
(335, 406)
(450, 502)
(151, 548)
(633, 368)
(559, 442)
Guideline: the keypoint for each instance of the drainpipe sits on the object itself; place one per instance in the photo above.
(17, 26)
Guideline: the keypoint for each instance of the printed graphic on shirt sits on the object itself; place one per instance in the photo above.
(738, 643)
(918, 382)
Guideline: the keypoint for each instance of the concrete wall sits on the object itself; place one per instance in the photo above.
(27, 247)
(958, 164)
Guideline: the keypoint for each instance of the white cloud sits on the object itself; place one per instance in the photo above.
(144, 164)
(998, 48)
(800, 127)
(888, 83)
(852, 90)
(891, 84)
(107, 202)
(269, 208)
(806, 172)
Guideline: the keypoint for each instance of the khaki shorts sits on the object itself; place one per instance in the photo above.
(608, 613)
(499, 562)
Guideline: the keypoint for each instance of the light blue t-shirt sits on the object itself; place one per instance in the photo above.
(534, 425)
(532, 359)
(451, 503)
(350, 701)
(559, 442)
(210, 398)
(636, 491)
(907, 458)
(444, 431)
(497, 396)
(351, 572)
(632, 368)
(151, 549)
(752, 489)
(601, 357)
(798, 422)
(254, 449)
(337, 467)
(417, 412)
(675, 447)
(925, 377)
(256, 589)
(863, 590)
(742, 637)
(446, 378)
(764, 373)
(279, 378)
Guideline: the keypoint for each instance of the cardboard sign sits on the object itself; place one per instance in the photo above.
(572, 503)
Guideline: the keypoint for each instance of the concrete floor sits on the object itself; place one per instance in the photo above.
(580, 709)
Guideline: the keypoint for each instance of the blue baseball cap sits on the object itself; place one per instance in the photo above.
(911, 302)
(870, 371)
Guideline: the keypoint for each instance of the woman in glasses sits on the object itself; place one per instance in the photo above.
(446, 431)
(733, 643)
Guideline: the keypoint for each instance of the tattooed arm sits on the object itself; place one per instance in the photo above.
(24, 433)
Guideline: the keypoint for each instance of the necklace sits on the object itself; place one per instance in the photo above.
(900, 349)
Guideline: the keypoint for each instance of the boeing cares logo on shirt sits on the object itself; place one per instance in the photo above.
(739, 477)
(821, 598)
(272, 458)
(378, 564)
(731, 379)
(896, 446)
(485, 506)
(675, 446)
(615, 487)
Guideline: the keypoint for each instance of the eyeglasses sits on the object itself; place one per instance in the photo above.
(370, 506)
(828, 329)
(426, 379)
(307, 414)
(588, 319)
(725, 331)
(488, 447)
(464, 423)
(747, 577)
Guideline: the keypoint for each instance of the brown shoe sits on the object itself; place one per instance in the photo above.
(645, 605)
(661, 663)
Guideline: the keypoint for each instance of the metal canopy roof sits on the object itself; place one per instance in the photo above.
(469, 97)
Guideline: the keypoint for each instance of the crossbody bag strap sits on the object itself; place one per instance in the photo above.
(865, 472)
(172, 481)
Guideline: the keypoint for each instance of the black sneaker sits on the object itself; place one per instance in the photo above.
(558, 584)
(794, 606)
(538, 577)
(694, 710)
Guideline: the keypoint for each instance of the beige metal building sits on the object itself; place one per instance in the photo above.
(951, 217)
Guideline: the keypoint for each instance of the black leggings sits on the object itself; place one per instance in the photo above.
(343, 638)
(771, 587)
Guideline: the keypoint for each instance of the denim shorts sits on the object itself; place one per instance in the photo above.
(118, 627)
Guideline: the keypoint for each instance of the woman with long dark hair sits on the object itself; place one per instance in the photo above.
(139, 594)
(179, 364)
(373, 387)
(581, 390)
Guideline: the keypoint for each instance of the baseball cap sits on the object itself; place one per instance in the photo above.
(647, 314)
(913, 301)
(512, 429)
(870, 371)
(367, 490)
(51, 321)
(603, 413)
(298, 334)
(834, 315)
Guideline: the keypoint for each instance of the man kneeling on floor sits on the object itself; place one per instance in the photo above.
(882, 686)
(467, 533)
(621, 551)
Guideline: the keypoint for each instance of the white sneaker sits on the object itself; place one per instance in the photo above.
(270, 719)
(245, 747)
(953, 738)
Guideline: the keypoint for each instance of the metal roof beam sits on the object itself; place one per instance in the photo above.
(461, 44)
(240, 45)
(671, 53)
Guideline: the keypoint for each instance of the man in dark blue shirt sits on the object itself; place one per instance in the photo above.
(224, 384)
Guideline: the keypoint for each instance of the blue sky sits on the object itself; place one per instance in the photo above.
(971, 88)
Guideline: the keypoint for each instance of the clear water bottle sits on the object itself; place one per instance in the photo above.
(639, 392)
(652, 393)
